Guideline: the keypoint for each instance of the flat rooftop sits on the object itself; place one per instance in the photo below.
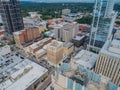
(41, 52)
(85, 77)
(86, 59)
(68, 45)
(39, 43)
(79, 38)
(112, 48)
(55, 44)
(18, 72)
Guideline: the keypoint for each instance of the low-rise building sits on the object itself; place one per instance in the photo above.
(68, 48)
(40, 53)
(31, 22)
(85, 59)
(55, 52)
(39, 45)
(66, 11)
(37, 49)
(5, 50)
(34, 15)
(19, 73)
(79, 40)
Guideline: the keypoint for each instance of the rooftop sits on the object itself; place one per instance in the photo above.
(112, 48)
(39, 43)
(79, 37)
(68, 77)
(4, 49)
(33, 22)
(68, 45)
(86, 59)
(40, 52)
(56, 44)
(19, 72)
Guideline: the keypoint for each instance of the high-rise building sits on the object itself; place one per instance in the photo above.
(108, 63)
(11, 15)
(102, 25)
(66, 31)
(55, 52)
(26, 35)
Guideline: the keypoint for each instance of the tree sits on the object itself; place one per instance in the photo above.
(85, 20)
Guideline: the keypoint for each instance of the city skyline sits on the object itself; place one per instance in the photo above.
(59, 45)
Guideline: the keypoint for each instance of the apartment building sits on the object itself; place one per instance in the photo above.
(65, 31)
(26, 35)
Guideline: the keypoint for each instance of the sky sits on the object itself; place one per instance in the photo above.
(63, 0)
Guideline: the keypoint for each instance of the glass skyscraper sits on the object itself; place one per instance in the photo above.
(11, 15)
(103, 22)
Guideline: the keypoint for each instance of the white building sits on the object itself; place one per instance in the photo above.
(5, 50)
(85, 59)
(108, 63)
(34, 14)
(19, 73)
(65, 31)
(66, 11)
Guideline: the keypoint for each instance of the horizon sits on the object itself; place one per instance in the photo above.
(62, 1)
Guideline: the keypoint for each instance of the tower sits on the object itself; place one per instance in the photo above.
(102, 24)
(11, 15)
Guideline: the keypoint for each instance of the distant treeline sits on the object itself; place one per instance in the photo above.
(48, 9)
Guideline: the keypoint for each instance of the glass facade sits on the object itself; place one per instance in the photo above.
(102, 22)
(11, 15)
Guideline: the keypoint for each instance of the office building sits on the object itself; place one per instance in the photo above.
(65, 31)
(19, 73)
(55, 52)
(11, 15)
(108, 63)
(102, 25)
